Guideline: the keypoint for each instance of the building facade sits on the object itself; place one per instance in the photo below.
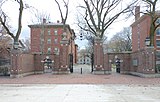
(141, 30)
(145, 59)
(46, 38)
(84, 60)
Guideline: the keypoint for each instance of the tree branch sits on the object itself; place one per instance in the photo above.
(60, 11)
(19, 20)
(3, 22)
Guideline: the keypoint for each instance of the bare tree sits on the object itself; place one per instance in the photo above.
(121, 41)
(3, 21)
(151, 11)
(63, 17)
(39, 16)
(27, 45)
(100, 14)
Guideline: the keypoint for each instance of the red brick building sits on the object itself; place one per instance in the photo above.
(141, 30)
(46, 38)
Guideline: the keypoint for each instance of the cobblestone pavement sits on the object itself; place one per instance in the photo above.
(77, 78)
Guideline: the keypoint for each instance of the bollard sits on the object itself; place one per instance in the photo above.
(81, 70)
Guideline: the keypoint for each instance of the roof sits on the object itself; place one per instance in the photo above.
(139, 20)
(47, 25)
(142, 18)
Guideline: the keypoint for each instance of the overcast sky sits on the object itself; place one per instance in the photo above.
(49, 6)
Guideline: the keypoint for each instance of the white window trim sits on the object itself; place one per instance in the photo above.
(156, 43)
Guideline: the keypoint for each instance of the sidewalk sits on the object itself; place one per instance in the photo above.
(77, 87)
(78, 93)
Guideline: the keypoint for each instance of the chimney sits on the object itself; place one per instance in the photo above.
(137, 13)
(44, 20)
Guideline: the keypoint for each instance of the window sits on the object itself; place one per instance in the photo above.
(49, 50)
(55, 32)
(49, 32)
(158, 31)
(158, 55)
(49, 41)
(55, 40)
(158, 21)
(158, 43)
(56, 49)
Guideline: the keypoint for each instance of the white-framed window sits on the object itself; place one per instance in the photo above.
(158, 31)
(56, 49)
(158, 42)
(49, 50)
(55, 32)
(49, 41)
(56, 41)
(49, 32)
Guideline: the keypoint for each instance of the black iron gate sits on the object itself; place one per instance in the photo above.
(71, 62)
(92, 61)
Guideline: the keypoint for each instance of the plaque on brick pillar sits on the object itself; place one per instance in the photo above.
(15, 70)
(98, 56)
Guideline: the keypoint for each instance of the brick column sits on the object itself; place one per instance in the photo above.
(16, 69)
(149, 61)
(99, 58)
(64, 58)
(56, 65)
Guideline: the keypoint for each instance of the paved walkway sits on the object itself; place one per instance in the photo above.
(77, 87)
(77, 78)
(78, 93)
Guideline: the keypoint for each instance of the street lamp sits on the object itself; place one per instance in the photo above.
(147, 41)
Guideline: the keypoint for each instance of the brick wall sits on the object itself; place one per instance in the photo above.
(143, 61)
(27, 63)
(38, 65)
(107, 65)
(21, 64)
(125, 61)
(140, 30)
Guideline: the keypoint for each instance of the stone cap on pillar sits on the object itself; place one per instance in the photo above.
(98, 40)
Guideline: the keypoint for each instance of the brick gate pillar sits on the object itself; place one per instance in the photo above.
(15, 70)
(63, 58)
(150, 61)
(98, 57)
